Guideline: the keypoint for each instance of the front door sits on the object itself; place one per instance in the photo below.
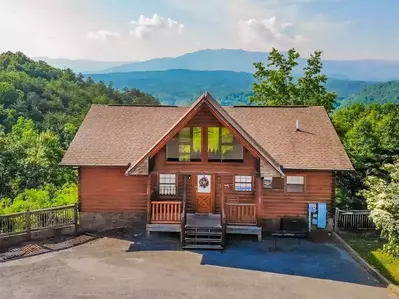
(205, 193)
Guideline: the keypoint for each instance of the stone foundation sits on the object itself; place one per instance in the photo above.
(91, 221)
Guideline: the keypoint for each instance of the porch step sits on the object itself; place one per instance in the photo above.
(204, 240)
(197, 246)
(188, 226)
(204, 233)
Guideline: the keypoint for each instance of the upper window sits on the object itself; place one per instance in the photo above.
(273, 183)
(295, 184)
(223, 146)
(185, 146)
(167, 184)
(243, 183)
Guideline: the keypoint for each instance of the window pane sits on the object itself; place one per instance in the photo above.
(295, 188)
(243, 183)
(167, 184)
(298, 180)
(227, 137)
(214, 144)
(172, 150)
(267, 182)
(185, 146)
(184, 135)
(278, 183)
(196, 148)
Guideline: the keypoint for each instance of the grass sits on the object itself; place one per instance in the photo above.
(369, 246)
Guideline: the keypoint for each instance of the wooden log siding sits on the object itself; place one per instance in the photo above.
(318, 188)
(107, 189)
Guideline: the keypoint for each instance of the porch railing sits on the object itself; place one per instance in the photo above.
(166, 211)
(28, 221)
(353, 220)
(240, 213)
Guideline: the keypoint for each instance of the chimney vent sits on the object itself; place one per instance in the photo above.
(297, 125)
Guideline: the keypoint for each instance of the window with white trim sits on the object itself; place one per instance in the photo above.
(295, 184)
(243, 183)
(167, 184)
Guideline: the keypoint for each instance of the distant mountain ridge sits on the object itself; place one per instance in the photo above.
(80, 65)
(240, 61)
(181, 87)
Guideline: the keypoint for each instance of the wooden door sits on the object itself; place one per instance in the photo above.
(204, 193)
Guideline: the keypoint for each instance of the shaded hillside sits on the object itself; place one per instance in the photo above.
(179, 87)
(41, 108)
(382, 93)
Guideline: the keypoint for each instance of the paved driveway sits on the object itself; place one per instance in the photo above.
(140, 268)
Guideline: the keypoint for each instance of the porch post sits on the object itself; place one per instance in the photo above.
(149, 200)
(258, 193)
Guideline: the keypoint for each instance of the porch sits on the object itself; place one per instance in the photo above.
(201, 230)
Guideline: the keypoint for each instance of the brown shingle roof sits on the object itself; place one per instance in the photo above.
(120, 135)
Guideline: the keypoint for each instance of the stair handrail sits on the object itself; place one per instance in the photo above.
(183, 213)
(223, 219)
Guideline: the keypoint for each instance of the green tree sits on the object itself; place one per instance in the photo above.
(383, 200)
(370, 134)
(276, 84)
(41, 108)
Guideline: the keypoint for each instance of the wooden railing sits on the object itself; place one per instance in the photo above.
(166, 211)
(353, 220)
(28, 221)
(241, 213)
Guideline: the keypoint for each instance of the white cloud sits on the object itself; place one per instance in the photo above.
(268, 31)
(103, 35)
(144, 27)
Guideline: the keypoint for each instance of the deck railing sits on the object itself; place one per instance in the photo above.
(240, 213)
(166, 211)
(353, 220)
(28, 221)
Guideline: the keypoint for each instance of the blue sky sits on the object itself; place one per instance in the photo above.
(123, 30)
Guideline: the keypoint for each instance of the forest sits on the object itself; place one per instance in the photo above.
(41, 108)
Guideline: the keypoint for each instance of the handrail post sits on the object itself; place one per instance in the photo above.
(183, 215)
(336, 217)
(149, 193)
(28, 224)
(222, 211)
(75, 217)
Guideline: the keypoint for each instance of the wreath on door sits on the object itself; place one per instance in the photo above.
(203, 182)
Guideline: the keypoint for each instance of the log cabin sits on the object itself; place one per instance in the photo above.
(205, 170)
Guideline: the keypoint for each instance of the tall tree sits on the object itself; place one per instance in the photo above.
(383, 200)
(276, 84)
(370, 134)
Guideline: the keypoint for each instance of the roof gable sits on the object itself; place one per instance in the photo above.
(217, 110)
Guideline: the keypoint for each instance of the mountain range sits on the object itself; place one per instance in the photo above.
(238, 61)
(180, 87)
(227, 74)
(81, 65)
